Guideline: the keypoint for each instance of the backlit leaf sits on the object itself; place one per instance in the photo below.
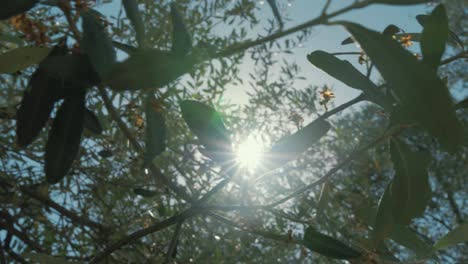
(64, 138)
(328, 246)
(11, 8)
(384, 222)
(423, 95)
(290, 147)
(208, 126)
(21, 58)
(410, 189)
(457, 235)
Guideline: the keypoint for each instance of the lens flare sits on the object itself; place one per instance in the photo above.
(249, 153)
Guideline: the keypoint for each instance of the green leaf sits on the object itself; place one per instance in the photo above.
(462, 104)
(147, 69)
(181, 40)
(410, 189)
(45, 259)
(400, 234)
(134, 15)
(345, 72)
(328, 246)
(423, 95)
(452, 38)
(291, 146)
(401, 2)
(35, 108)
(11, 39)
(97, 44)
(155, 129)
(144, 192)
(276, 13)
(409, 239)
(458, 235)
(390, 30)
(208, 126)
(73, 68)
(384, 223)
(91, 122)
(21, 58)
(38, 101)
(15, 7)
(434, 36)
(64, 138)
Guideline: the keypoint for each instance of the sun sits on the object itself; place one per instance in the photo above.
(249, 153)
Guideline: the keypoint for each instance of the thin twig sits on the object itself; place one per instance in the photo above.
(340, 165)
(146, 231)
(156, 173)
(316, 21)
(461, 55)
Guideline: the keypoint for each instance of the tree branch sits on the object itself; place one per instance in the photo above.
(461, 55)
(146, 231)
(339, 166)
(156, 173)
(316, 21)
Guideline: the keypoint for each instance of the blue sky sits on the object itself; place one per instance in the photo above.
(327, 38)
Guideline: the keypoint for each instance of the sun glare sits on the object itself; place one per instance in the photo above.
(249, 153)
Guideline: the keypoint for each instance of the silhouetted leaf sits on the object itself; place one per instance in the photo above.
(345, 72)
(410, 189)
(64, 138)
(155, 129)
(134, 15)
(97, 44)
(462, 104)
(91, 122)
(73, 68)
(35, 108)
(290, 147)
(181, 40)
(434, 36)
(124, 47)
(400, 234)
(144, 192)
(457, 235)
(21, 58)
(276, 12)
(409, 239)
(384, 222)
(147, 69)
(422, 94)
(401, 2)
(105, 153)
(328, 246)
(38, 101)
(11, 8)
(453, 37)
(208, 126)
(390, 30)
